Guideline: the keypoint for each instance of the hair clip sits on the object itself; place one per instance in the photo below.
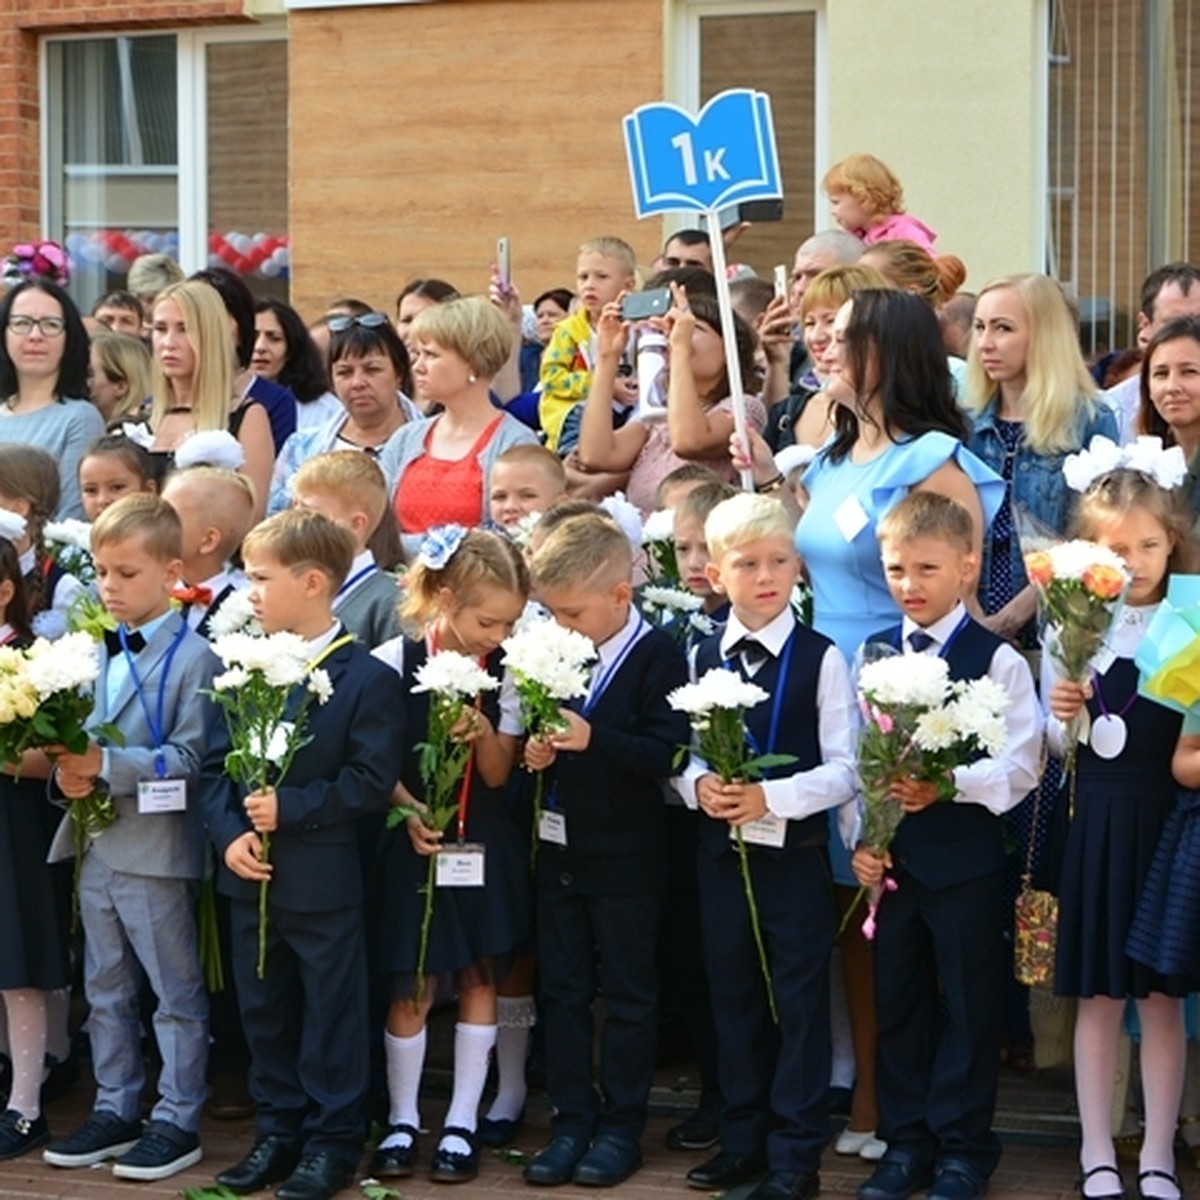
(1167, 468)
(439, 545)
(12, 525)
(210, 448)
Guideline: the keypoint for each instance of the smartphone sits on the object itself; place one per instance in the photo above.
(638, 306)
(781, 279)
(758, 211)
(504, 262)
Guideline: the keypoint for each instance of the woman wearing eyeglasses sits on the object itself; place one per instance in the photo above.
(438, 468)
(43, 381)
(194, 381)
(371, 377)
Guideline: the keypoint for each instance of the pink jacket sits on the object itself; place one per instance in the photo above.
(901, 225)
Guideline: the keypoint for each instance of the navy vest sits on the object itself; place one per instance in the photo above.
(798, 731)
(946, 844)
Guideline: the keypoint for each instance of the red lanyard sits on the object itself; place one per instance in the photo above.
(464, 791)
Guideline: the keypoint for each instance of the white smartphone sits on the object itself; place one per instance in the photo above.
(504, 262)
(781, 279)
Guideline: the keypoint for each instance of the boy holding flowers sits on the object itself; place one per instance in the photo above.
(305, 1017)
(939, 937)
(773, 1076)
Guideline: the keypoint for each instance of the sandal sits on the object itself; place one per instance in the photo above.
(1173, 1180)
(1081, 1182)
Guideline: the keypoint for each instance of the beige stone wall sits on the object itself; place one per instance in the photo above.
(421, 132)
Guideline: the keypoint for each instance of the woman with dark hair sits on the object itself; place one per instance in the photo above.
(415, 297)
(44, 382)
(1170, 405)
(372, 379)
(285, 353)
(699, 416)
(278, 401)
(548, 309)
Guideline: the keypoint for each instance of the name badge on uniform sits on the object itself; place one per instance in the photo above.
(850, 517)
(459, 866)
(162, 795)
(553, 828)
(768, 830)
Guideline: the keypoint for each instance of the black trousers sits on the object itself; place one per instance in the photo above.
(939, 995)
(589, 945)
(306, 1025)
(774, 1078)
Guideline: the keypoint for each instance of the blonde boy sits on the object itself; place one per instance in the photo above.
(525, 479)
(606, 267)
(216, 510)
(348, 487)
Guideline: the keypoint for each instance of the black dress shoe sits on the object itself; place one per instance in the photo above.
(501, 1132)
(609, 1161)
(555, 1164)
(318, 1177)
(957, 1181)
(449, 1167)
(727, 1170)
(788, 1185)
(270, 1160)
(1173, 1180)
(1111, 1181)
(395, 1162)
(896, 1178)
(697, 1132)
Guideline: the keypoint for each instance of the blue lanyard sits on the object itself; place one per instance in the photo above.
(785, 663)
(156, 727)
(367, 570)
(945, 650)
(602, 681)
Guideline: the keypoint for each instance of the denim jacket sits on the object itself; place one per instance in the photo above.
(1037, 483)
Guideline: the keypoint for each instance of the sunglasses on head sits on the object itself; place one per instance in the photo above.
(371, 320)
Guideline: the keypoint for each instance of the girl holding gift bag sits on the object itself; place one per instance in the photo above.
(1124, 792)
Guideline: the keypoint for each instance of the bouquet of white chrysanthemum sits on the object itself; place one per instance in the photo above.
(658, 540)
(46, 697)
(917, 724)
(254, 692)
(716, 707)
(550, 667)
(521, 532)
(69, 544)
(672, 609)
(235, 615)
(454, 683)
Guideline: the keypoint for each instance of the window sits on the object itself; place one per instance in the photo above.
(125, 175)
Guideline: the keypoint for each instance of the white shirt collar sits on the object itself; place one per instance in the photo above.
(772, 636)
(940, 630)
(633, 630)
(360, 569)
(1130, 627)
(319, 643)
(27, 561)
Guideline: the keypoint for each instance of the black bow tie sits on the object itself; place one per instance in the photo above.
(133, 640)
(753, 652)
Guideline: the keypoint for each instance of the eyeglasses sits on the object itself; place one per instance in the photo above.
(371, 320)
(47, 326)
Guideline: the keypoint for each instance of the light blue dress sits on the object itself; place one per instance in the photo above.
(836, 538)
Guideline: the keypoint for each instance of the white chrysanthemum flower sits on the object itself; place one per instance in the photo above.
(936, 729)
(235, 614)
(455, 675)
(659, 526)
(717, 688)
(1071, 560)
(670, 599)
(72, 661)
(320, 685)
(921, 680)
(702, 623)
(277, 745)
(521, 531)
(546, 653)
(231, 680)
(69, 533)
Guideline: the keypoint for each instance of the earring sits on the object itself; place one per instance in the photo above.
(471, 377)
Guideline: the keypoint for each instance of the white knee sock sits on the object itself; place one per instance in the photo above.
(405, 1062)
(515, 1016)
(1097, 1027)
(472, 1046)
(26, 1008)
(58, 1016)
(1163, 1061)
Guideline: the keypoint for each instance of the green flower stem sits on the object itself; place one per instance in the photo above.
(426, 921)
(264, 858)
(539, 789)
(209, 936)
(858, 897)
(748, 885)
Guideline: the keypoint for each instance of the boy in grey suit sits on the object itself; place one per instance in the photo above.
(139, 879)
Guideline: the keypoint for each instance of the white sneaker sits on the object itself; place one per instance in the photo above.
(874, 1150)
(851, 1141)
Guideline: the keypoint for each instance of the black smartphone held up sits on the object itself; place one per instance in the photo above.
(638, 306)
(759, 211)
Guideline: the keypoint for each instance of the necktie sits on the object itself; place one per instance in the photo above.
(753, 653)
(920, 641)
(133, 639)
(193, 595)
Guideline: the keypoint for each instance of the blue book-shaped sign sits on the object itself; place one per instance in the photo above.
(681, 163)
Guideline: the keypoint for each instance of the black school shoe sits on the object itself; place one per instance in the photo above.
(610, 1160)
(395, 1162)
(896, 1178)
(162, 1151)
(318, 1177)
(788, 1185)
(19, 1135)
(957, 1181)
(698, 1131)
(103, 1135)
(270, 1160)
(448, 1166)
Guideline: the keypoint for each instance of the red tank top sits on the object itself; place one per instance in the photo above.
(442, 491)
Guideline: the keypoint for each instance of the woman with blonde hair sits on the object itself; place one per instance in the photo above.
(119, 374)
(193, 383)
